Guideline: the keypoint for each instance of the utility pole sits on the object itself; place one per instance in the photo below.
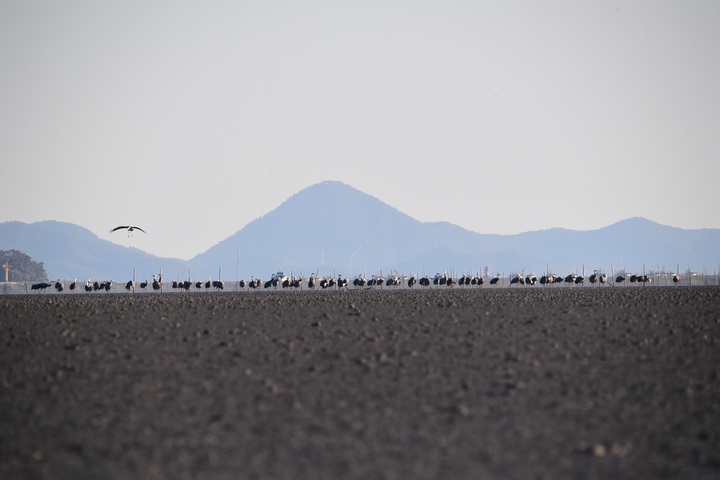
(6, 267)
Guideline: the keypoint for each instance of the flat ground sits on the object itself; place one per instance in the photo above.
(463, 383)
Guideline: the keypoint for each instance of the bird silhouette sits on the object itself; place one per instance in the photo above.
(129, 228)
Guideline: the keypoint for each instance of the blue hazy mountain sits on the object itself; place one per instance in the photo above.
(69, 251)
(332, 228)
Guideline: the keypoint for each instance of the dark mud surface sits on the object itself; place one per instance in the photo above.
(458, 384)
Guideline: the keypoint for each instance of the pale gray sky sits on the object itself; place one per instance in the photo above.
(192, 119)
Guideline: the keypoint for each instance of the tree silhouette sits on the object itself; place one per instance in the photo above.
(22, 267)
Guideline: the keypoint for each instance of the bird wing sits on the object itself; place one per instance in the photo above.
(138, 228)
(119, 228)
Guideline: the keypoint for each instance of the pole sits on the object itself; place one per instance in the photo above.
(6, 267)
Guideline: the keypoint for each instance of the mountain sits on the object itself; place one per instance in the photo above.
(68, 251)
(333, 228)
(329, 226)
(631, 243)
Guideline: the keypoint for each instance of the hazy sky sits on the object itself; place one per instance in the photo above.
(191, 119)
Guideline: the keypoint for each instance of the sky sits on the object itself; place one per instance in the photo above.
(192, 119)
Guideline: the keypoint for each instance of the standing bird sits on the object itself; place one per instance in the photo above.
(40, 286)
(129, 228)
(598, 277)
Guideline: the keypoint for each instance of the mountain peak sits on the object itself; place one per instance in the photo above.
(328, 192)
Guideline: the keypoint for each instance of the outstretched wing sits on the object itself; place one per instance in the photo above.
(119, 228)
(138, 228)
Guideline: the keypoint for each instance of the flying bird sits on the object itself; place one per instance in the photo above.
(129, 228)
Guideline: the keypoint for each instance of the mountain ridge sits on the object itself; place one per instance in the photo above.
(332, 228)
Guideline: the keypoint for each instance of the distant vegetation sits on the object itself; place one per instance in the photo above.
(22, 267)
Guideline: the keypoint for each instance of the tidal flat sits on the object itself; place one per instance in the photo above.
(590, 382)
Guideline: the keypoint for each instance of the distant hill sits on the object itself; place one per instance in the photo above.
(69, 251)
(331, 228)
(21, 266)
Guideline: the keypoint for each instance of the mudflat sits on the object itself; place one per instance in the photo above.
(590, 382)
